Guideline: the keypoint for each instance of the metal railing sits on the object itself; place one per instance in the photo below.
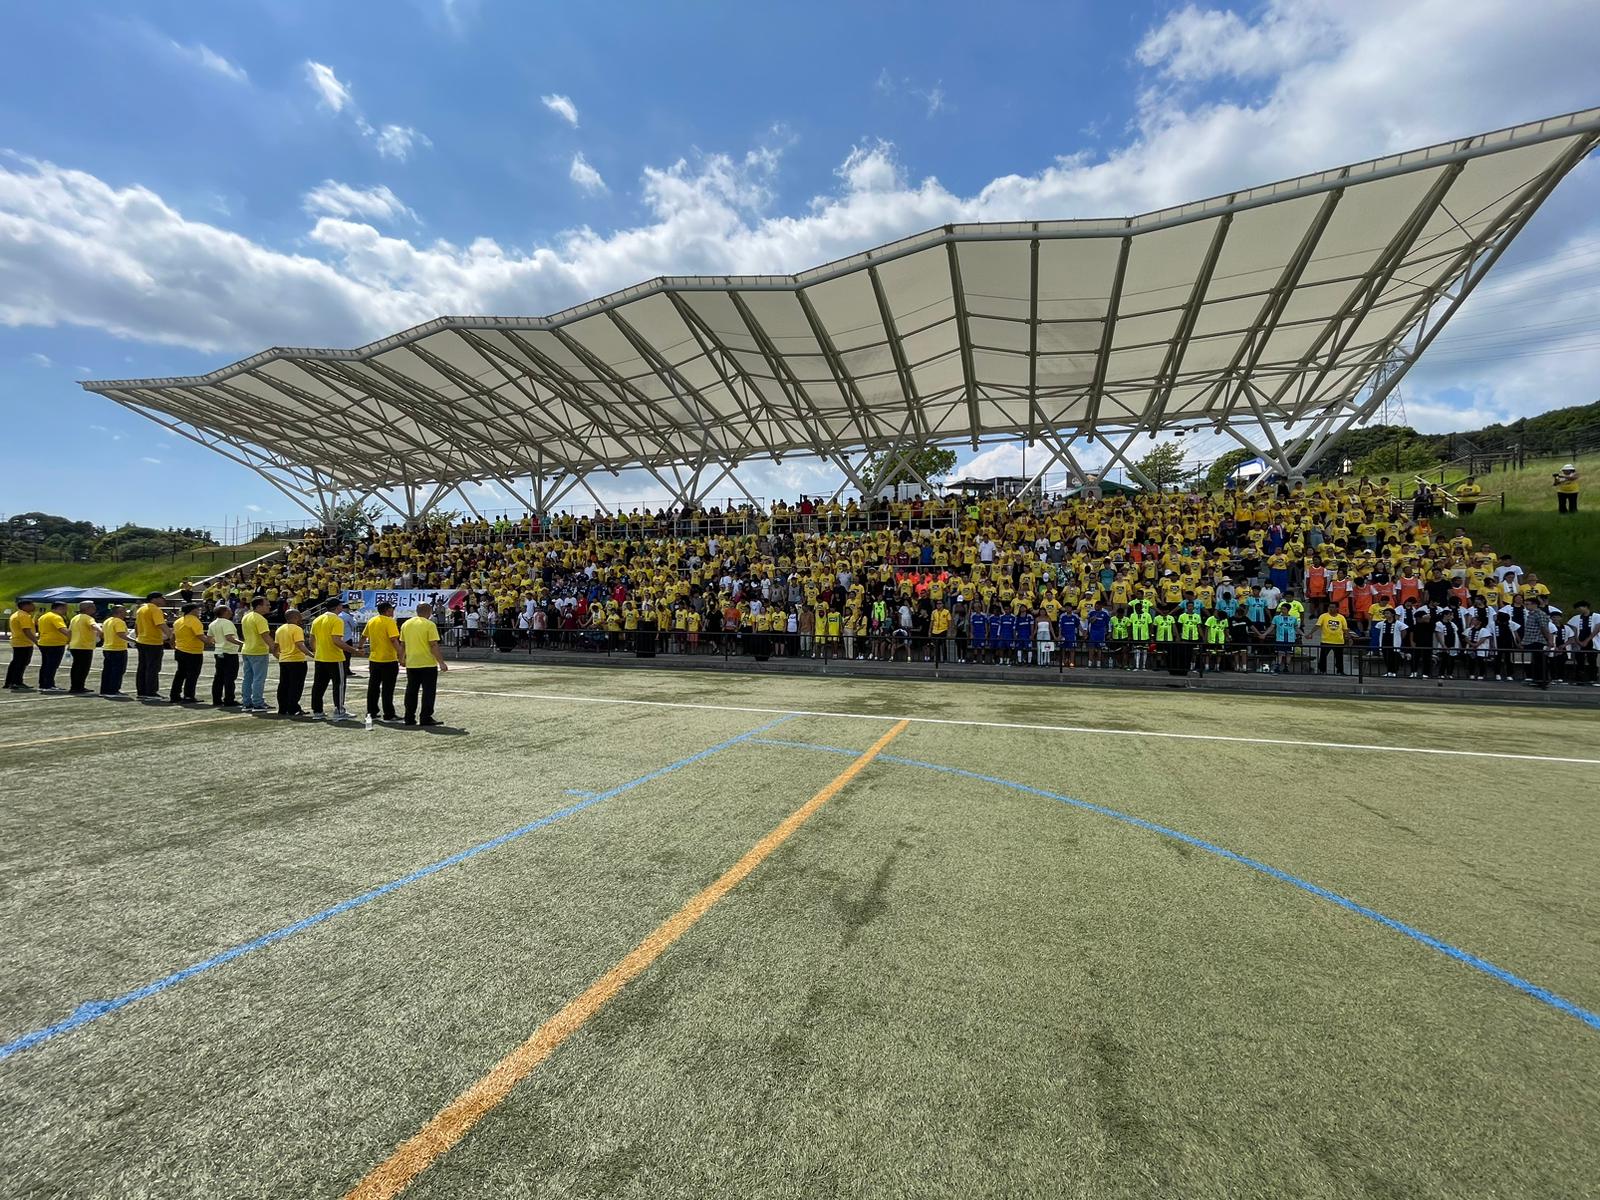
(1359, 661)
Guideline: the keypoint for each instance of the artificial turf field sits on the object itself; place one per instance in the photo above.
(953, 979)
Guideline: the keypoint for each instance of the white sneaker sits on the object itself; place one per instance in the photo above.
(340, 714)
(318, 717)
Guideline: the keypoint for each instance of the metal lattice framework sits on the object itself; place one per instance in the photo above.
(1280, 315)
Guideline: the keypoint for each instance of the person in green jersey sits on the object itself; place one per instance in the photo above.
(1189, 629)
(1216, 638)
(1121, 633)
(1139, 628)
(1166, 629)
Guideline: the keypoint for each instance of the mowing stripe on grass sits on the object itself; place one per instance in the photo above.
(1143, 733)
(1543, 995)
(418, 1152)
(93, 1010)
(154, 727)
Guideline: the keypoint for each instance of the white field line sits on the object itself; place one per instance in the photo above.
(1091, 729)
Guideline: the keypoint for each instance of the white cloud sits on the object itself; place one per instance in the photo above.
(933, 98)
(396, 141)
(391, 141)
(40, 360)
(156, 462)
(1196, 44)
(342, 200)
(563, 107)
(331, 91)
(255, 508)
(204, 56)
(585, 176)
(77, 250)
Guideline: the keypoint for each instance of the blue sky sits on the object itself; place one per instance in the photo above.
(181, 185)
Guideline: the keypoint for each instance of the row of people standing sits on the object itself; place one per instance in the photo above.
(251, 642)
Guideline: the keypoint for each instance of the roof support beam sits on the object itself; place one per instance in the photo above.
(865, 419)
(1108, 333)
(576, 392)
(1172, 365)
(1035, 413)
(969, 370)
(721, 360)
(786, 379)
(897, 350)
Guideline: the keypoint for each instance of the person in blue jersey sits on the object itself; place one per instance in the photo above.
(1070, 627)
(978, 634)
(1255, 611)
(1004, 635)
(1285, 636)
(1023, 639)
(1099, 633)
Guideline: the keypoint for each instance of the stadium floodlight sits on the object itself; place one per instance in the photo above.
(1299, 304)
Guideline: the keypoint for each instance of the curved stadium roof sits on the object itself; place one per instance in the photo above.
(1276, 309)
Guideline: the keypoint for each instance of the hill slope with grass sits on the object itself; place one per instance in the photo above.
(1563, 550)
(137, 576)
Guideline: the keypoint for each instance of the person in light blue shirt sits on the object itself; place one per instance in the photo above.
(1285, 634)
(1255, 611)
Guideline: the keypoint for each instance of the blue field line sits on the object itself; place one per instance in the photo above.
(1543, 995)
(93, 1010)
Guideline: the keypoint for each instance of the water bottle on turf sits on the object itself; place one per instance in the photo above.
(369, 722)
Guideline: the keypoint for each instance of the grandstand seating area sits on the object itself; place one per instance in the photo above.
(1236, 581)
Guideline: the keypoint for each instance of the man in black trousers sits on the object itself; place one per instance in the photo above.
(150, 636)
(24, 637)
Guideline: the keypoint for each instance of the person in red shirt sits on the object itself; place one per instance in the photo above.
(1361, 597)
(1317, 589)
(1339, 594)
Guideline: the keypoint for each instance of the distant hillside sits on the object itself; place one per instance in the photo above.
(1386, 448)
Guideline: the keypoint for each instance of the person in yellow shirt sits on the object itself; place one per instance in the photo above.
(424, 660)
(256, 633)
(52, 644)
(329, 648)
(381, 636)
(113, 651)
(82, 634)
(150, 638)
(291, 655)
(1333, 628)
(190, 641)
(1566, 483)
(24, 637)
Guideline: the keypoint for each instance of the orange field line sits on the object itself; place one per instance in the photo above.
(104, 733)
(418, 1152)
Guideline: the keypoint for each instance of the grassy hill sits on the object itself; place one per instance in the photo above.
(137, 577)
(1564, 551)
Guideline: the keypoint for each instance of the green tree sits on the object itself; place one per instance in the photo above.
(350, 519)
(932, 464)
(1163, 466)
(1400, 458)
(1215, 477)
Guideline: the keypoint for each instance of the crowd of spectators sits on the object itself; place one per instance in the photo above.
(1344, 574)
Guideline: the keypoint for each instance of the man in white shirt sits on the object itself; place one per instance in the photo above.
(225, 647)
(986, 550)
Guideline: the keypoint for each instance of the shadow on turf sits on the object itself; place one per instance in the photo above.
(358, 725)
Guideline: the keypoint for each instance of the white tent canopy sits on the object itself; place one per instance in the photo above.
(1280, 315)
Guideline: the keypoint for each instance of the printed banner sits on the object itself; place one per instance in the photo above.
(363, 605)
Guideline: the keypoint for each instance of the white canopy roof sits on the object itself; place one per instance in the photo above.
(1268, 309)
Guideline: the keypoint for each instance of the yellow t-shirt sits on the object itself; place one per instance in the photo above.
(327, 631)
(1333, 627)
(1567, 485)
(150, 625)
(188, 635)
(418, 634)
(255, 630)
(115, 632)
(21, 623)
(378, 632)
(82, 634)
(291, 644)
(52, 630)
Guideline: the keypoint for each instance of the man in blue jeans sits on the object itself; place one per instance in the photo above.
(256, 633)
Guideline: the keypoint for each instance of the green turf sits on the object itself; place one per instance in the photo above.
(938, 987)
(137, 577)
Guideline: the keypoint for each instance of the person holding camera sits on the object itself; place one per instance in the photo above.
(1565, 482)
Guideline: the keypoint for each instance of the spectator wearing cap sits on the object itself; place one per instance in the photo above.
(1566, 484)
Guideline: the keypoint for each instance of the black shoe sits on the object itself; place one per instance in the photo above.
(409, 721)
(429, 721)
(79, 692)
